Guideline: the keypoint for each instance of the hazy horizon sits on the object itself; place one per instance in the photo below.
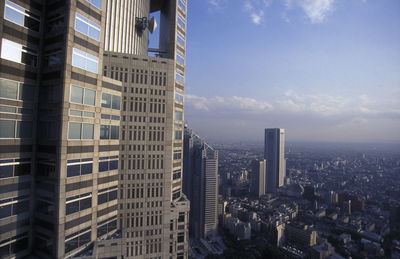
(325, 70)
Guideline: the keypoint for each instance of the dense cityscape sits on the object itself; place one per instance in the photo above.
(339, 201)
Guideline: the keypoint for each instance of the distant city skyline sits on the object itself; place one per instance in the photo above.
(325, 70)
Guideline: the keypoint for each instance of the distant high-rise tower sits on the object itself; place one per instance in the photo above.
(258, 177)
(200, 180)
(274, 153)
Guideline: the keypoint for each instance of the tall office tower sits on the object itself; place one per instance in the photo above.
(258, 177)
(200, 177)
(61, 144)
(274, 154)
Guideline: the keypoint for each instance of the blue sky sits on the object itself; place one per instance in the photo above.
(326, 70)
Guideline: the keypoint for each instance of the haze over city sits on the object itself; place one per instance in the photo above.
(325, 70)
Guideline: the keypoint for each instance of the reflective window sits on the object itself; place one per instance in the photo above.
(110, 117)
(77, 167)
(79, 113)
(178, 135)
(85, 60)
(82, 95)
(13, 206)
(15, 167)
(106, 226)
(177, 154)
(18, 53)
(176, 175)
(180, 59)
(79, 130)
(179, 77)
(17, 14)
(96, 3)
(109, 132)
(87, 27)
(107, 194)
(77, 240)
(179, 97)
(108, 163)
(111, 101)
(15, 90)
(182, 5)
(78, 203)
(178, 115)
(15, 129)
(181, 22)
(180, 39)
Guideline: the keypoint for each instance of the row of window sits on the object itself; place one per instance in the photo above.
(18, 53)
(82, 95)
(78, 130)
(77, 167)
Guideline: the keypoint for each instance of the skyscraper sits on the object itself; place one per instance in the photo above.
(201, 185)
(91, 129)
(274, 154)
(258, 177)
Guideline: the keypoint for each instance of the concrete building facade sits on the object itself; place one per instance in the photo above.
(82, 174)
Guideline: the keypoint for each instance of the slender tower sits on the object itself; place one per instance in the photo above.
(201, 185)
(258, 177)
(274, 154)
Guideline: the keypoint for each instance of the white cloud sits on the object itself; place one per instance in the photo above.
(231, 104)
(256, 18)
(316, 10)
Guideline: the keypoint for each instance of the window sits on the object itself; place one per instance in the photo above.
(106, 226)
(13, 109)
(79, 130)
(181, 217)
(176, 175)
(15, 167)
(83, 114)
(107, 194)
(82, 95)
(18, 53)
(179, 77)
(177, 154)
(85, 60)
(176, 194)
(178, 115)
(182, 5)
(108, 163)
(111, 101)
(16, 90)
(181, 237)
(15, 129)
(96, 3)
(180, 39)
(178, 135)
(179, 97)
(77, 239)
(110, 117)
(181, 22)
(109, 132)
(17, 14)
(77, 167)
(13, 206)
(180, 58)
(87, 27)
(78, 203)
